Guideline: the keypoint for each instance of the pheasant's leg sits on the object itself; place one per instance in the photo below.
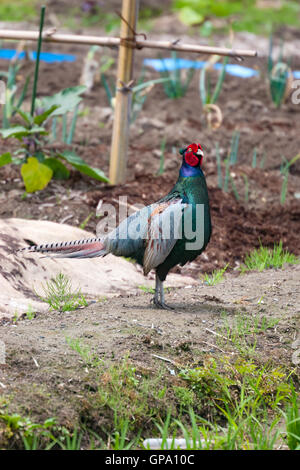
(156, 298)
(159, 296)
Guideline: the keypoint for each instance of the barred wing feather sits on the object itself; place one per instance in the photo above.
(164, 229)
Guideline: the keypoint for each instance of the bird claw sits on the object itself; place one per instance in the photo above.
(159, 304)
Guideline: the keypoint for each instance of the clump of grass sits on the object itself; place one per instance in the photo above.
(220, 403)
(30, 314)
(216, 381)
(265, 258)
(241, 332)
(59, 295)
(147, 290)
(215, 277)
(88, 357)
(175, 84)
(292, 420)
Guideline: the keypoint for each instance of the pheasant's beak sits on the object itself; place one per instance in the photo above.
(200, 153)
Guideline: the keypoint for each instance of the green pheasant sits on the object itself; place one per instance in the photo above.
(174, 230)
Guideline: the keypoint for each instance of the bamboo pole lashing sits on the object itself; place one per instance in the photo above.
(52, 36)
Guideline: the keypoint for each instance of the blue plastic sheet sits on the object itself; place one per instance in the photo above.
(48, 57)
(10, 54)
(169, 64)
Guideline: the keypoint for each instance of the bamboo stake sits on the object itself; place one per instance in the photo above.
(120, 135)
(51, 36)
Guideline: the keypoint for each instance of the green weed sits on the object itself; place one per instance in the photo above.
(59, 295)
(89, 358)
(292, 422)
(285, 169)
(216, 276)
(240, 332)
(30, 314)
(208, 96)
(265, 258)
(147, 290)
(175, 83)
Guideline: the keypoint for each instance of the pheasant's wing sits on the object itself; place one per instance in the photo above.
(164, 229)
(129, 237)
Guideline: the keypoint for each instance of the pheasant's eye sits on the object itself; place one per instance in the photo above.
(192, 148)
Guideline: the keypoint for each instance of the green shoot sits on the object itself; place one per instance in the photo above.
(285, 171)
(265, 258)
(86, 220)
(219, 168)
(162, 156)
(148, 290)
(233, 153)
(30, 314)
(206, 94)
(246, 181)
(59, 295)
(235, 192)
(216, 276)
(254, 157)
(175, 85)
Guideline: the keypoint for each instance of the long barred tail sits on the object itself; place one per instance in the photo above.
(89, 248)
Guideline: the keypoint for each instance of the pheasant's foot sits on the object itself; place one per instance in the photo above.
(159, 296)
(159, 304)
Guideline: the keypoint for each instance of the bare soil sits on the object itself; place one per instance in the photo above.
(43, 377)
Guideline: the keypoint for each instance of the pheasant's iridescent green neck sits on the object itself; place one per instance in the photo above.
(187, 170)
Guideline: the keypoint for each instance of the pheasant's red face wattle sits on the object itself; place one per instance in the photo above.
(194, 155)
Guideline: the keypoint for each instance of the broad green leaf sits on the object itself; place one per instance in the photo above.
(77, 162)
(20, 131)
(5, 158)
(72, 157)
(42, 117)
(13, 131)
(35, 175)
(60, 172)
(66, 100)
(26, 116)
(189, 16)
(92, 172)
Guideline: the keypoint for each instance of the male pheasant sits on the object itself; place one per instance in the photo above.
(171, 231)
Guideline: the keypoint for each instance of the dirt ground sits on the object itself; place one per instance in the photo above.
(43, 377)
